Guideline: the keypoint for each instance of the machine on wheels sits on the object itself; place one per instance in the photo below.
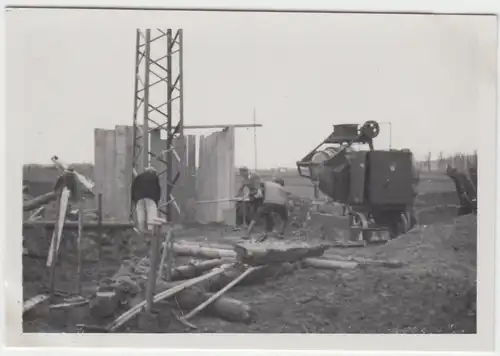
(376, 187)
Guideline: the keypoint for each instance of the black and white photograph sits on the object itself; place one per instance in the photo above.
(251, 172)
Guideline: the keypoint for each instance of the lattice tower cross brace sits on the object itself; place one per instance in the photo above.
(156, 78)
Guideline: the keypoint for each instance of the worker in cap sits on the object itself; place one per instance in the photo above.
(273, 199)
(146, 194)
(249, 186)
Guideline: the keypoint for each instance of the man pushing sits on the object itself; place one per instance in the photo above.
(271, 198)
(247, 190)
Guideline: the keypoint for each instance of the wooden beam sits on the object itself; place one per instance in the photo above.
(220, 126)
(39, 201)
(122, 175)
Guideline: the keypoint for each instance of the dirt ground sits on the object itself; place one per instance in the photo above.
(434, 292)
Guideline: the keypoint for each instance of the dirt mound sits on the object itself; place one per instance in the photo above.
(448, 247)
(434, 293)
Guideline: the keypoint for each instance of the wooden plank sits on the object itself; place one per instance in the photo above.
(211, 177)
(99, 159)
(190, 186)
(215, 177)
(221, 181)
(109, 202)
(227, 175)
(201, 182)
(121, 188)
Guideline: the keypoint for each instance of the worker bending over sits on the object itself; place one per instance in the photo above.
(271, 197)
(146, 193)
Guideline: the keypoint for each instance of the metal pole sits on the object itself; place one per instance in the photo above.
(255, 138)
(181, 85)
(136, 110)
(145, 125)
(169, 124)
(136, 84)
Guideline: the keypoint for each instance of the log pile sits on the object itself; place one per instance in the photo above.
(199, 286)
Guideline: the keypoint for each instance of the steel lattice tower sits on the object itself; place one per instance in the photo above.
(158, 86)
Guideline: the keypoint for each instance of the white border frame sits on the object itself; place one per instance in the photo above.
(11, 252)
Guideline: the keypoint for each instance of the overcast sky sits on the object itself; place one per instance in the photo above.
(432, 77)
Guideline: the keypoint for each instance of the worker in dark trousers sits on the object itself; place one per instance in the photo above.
(249, 186)
(146, 193)
(271, 198)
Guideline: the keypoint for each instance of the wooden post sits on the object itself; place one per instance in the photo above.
(54, 252)
(153, 265)
(79, 243)
(165, 255)
(170, 256)
(99, 235)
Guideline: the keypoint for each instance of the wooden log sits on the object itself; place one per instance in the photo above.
(258, 276)
(326, 256)
(276, 252)
(122, 319)
(195, 269)
(191, 270)
(39, 201)
(219, 294)
(202, 252)
(224, 307)
(33, 302)
(328, 264)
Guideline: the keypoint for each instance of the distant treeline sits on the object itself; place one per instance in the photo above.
(460, 161)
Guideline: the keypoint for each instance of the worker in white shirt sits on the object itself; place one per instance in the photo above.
(271, 197)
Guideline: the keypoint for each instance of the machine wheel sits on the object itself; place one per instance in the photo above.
(400, 226)
(358, 226)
